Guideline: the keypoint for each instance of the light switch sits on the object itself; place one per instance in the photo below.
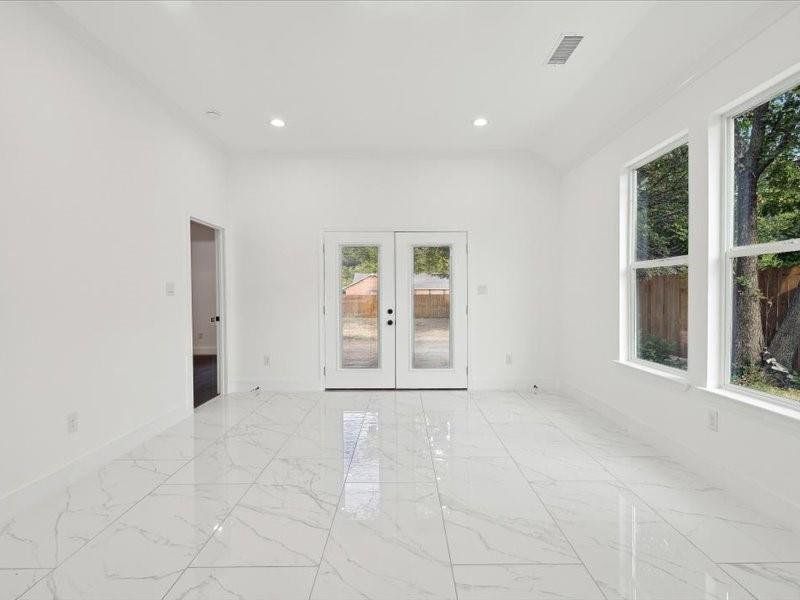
(169, 287)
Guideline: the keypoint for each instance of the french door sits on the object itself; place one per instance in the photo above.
(395, 310)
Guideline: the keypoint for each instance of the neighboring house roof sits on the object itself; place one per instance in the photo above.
(359, 277)
(422, 281)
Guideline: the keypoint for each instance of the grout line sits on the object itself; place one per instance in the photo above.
(249, 487)
(544, 506)
(520, 564)
(438, 495)
(769, 562)
(137, 502)
(339, 501)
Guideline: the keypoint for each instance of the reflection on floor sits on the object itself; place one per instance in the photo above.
(205, 378)
(400, 495)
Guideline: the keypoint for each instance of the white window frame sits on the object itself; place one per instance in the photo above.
(632, 265)
(730, 251)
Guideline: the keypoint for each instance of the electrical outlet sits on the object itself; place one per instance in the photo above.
(483, 289)
(713, 419)
(72, 423)
(199, 336)
(508, 358)
(266, 360)
(169, 288)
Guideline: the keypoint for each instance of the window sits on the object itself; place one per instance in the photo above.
(658, 260)
(763, 249)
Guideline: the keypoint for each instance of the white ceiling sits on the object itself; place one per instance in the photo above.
(377, 77)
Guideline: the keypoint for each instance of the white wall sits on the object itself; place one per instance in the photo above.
(753, 446)
(280, 206)
(96, 183)
(204, 289)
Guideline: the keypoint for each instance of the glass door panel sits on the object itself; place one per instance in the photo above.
(360, 329)
(431, 298)
(359, 295)
(431, 286)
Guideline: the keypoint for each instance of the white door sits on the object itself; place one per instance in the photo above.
(395, 310)
(431, 288)
(359, 310)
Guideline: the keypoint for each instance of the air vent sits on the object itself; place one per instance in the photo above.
(564, 49)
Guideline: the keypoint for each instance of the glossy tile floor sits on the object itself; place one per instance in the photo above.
(396, 495)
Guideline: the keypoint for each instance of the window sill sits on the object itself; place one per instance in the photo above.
(682, 380)
(774, 407)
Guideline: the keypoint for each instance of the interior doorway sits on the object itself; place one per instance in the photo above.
(395, 310)
(207, 339)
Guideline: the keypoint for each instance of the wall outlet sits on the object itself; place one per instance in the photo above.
(483, 289)
(199, 336)
(266, 360)
(508, 358)
(713, 419)
(72, 423)
(169, 288)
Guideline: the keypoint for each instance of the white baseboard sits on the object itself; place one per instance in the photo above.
(31, 492)
(752, 491)
(486, 383)
(543, 384)
(273, 385)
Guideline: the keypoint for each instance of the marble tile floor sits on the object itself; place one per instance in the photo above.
(396, 495)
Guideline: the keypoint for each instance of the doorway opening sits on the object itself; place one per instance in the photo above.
(207, 338)
(395, 310)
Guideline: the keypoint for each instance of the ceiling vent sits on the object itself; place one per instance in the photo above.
(564, 49)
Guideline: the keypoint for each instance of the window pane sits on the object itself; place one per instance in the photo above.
(766, 323)
(431, 307)
(662, 315)
(359, 307)
(767, 171)
(662, 206)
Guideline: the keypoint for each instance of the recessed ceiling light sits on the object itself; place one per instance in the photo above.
(277, 122)
(481, 122)
(213, 113)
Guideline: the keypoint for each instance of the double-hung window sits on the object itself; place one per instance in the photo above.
(762, 253)
(658, 261)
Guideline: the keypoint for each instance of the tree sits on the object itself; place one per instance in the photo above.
(662, 206)
(358, 259)
(434, 260)
(767, 143)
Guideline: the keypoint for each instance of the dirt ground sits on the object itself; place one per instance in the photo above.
(431, 343)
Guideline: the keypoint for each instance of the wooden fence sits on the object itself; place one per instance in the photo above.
(663, 304)
(426, 306)
(777, 286)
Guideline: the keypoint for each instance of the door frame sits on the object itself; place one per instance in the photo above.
(222, 325)
(408, 229)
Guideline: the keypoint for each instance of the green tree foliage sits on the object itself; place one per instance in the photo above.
(662, 206)
(779, 206)
(358, 259)
(434, 260)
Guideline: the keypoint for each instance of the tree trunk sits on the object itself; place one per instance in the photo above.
(785, 341)
(748, 334)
